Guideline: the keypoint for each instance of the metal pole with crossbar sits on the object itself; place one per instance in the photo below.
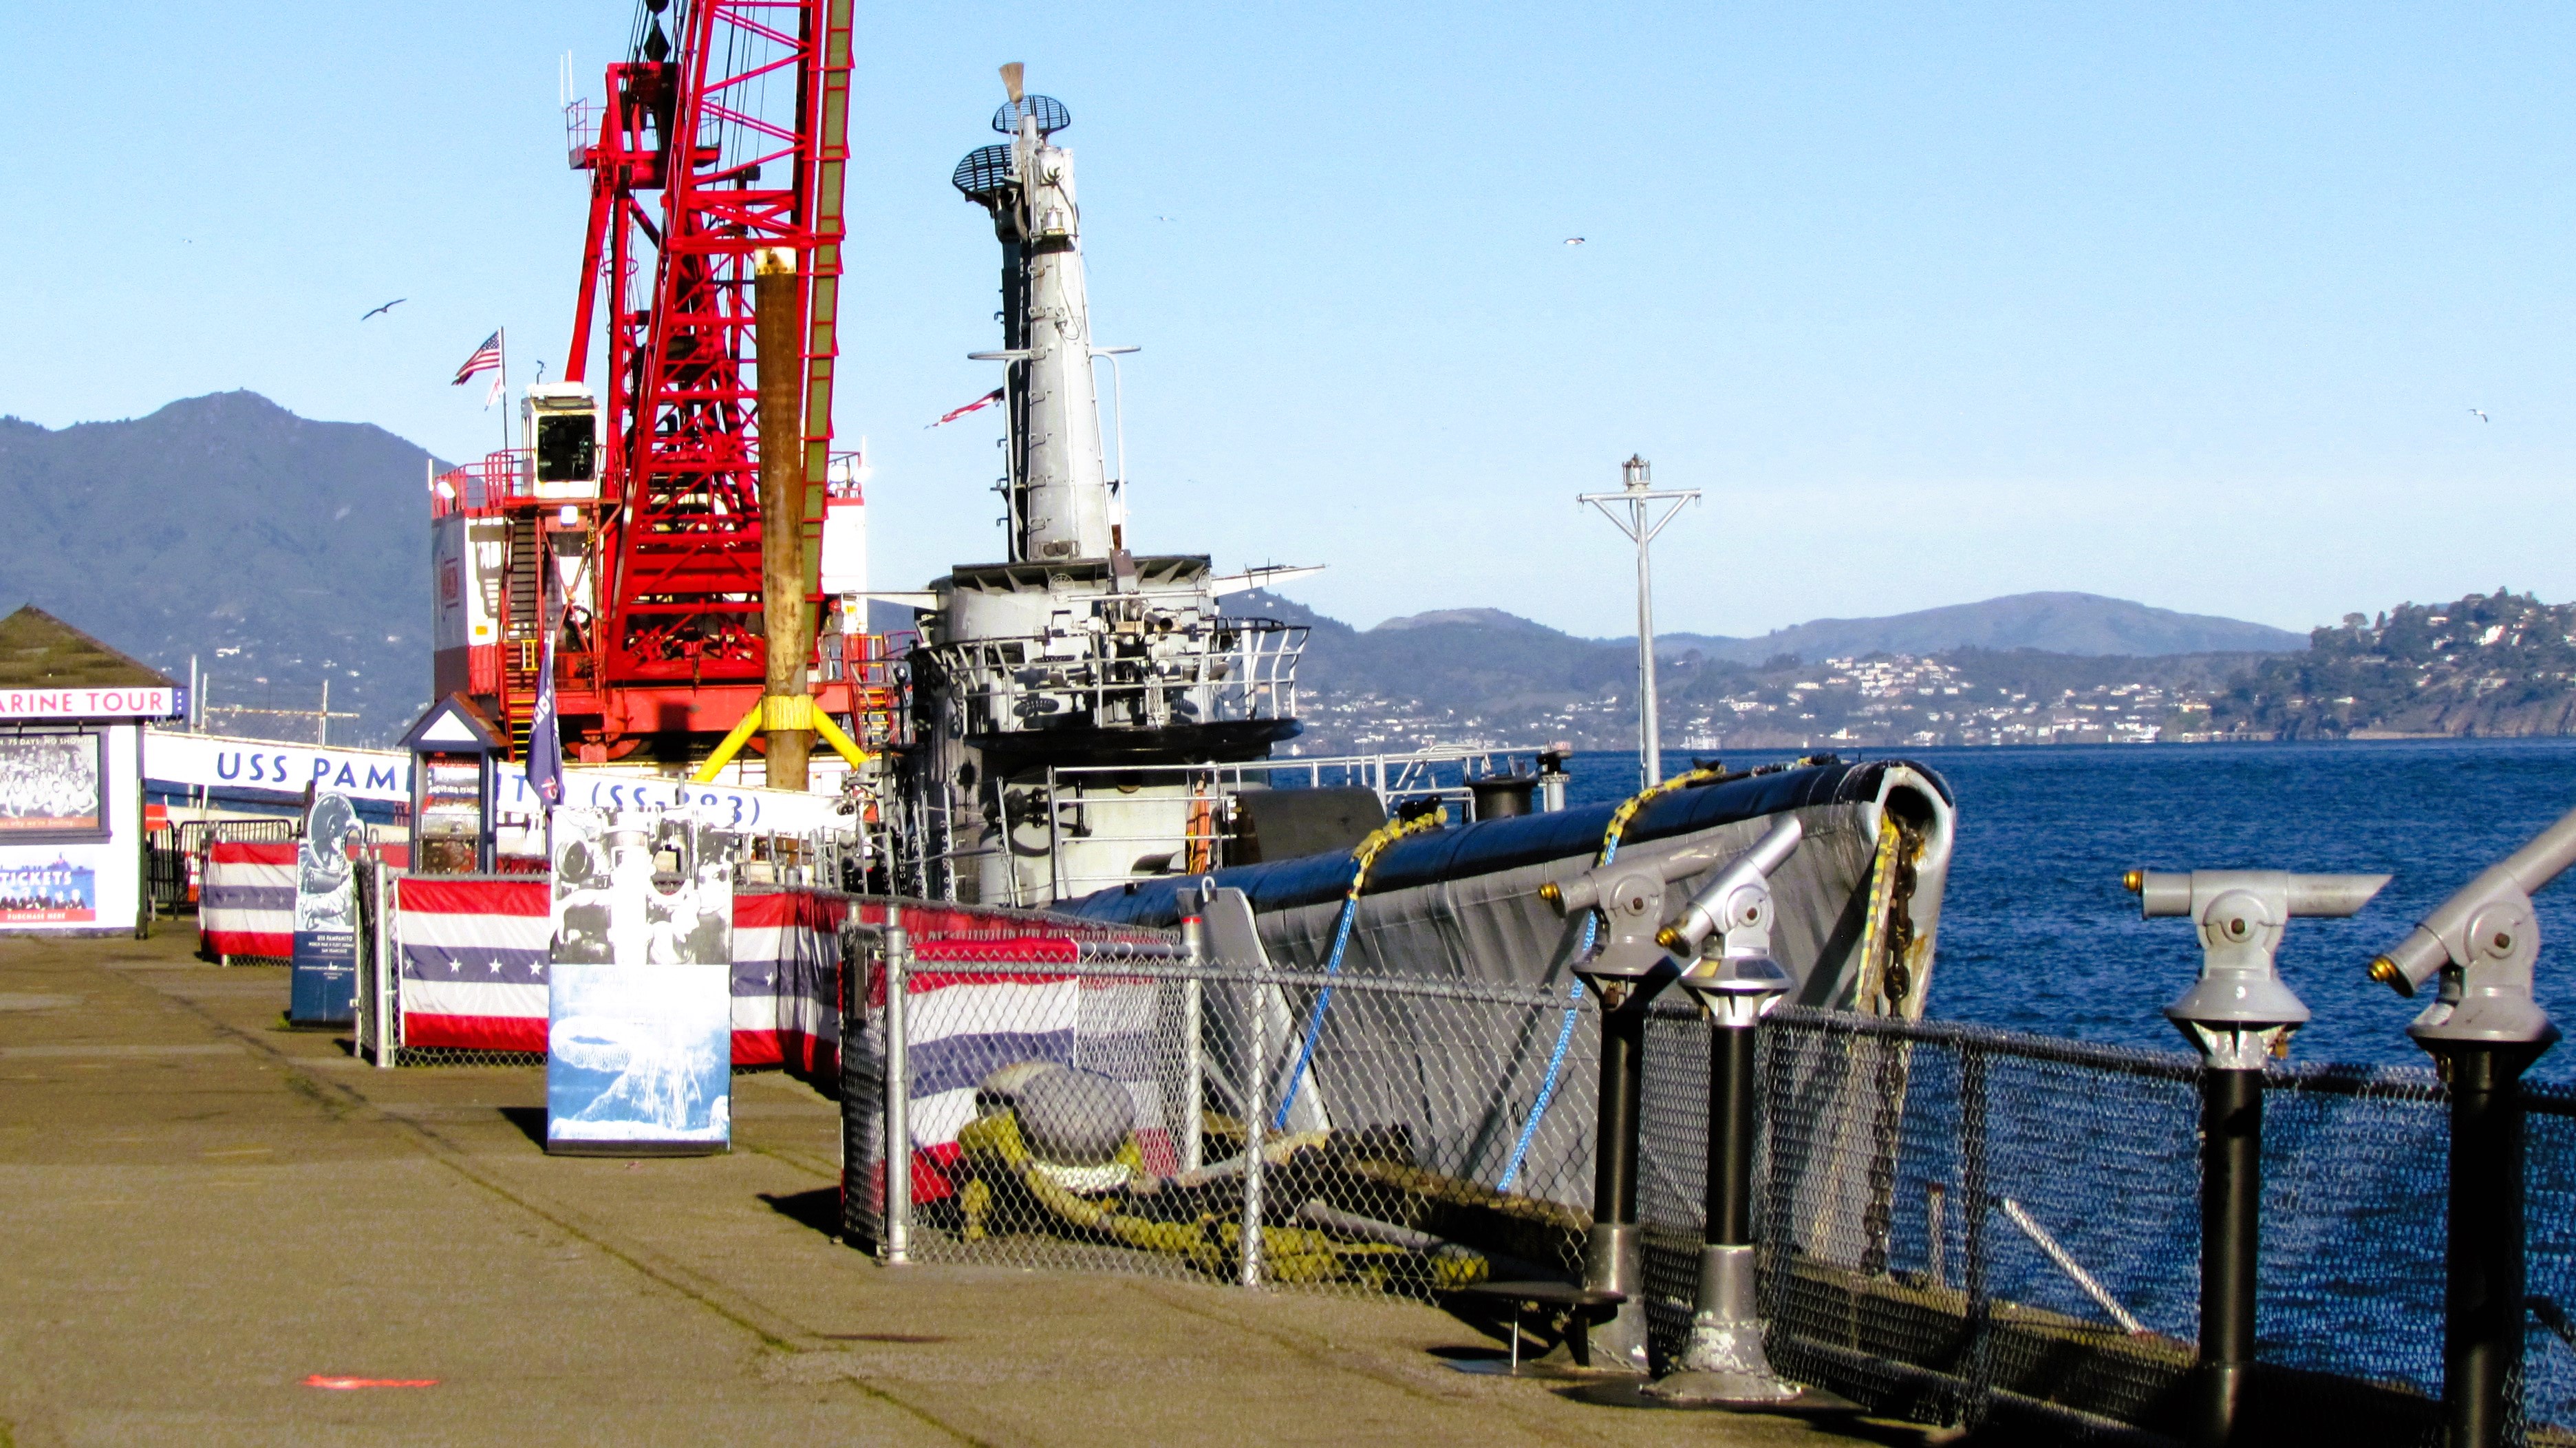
(1635, 516)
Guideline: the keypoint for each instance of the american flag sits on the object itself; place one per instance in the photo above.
(485, 358)
(987, 400)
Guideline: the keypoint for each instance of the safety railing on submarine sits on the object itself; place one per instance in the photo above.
(1236, 670)
(1955, 1224)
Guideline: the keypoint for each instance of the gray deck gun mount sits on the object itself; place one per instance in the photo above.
(2484, 942)
(1728, 925)
(2238, 1012)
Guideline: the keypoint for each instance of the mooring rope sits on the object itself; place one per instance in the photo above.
(1365, 854)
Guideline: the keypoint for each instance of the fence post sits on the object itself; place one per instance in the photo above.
(898, 1099)
(1193, 1042)
(1975, 1203)
(1256, 1108)
(388, 1019)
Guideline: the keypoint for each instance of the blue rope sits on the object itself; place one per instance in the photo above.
(1555, 1063)
(1315, 1017)
(1564, 1038)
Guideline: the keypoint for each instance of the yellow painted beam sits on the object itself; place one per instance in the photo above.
(731, 746)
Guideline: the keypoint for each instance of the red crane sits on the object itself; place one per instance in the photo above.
(721, 138)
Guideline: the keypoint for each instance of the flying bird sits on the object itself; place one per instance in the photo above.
(2480, 416)
(387, 307)
(1574, 241)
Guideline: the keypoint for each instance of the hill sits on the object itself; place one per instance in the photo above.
(1459, 674)
(278, 550)
(2057, 623)
(2491, 664)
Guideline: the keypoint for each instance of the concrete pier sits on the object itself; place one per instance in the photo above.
(201, 1210)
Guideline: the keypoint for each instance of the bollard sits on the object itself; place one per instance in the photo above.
(898, 1099)
(2238, 1014)
(1722, 1364)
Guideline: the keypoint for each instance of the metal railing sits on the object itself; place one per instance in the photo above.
(474, 487)
(1235, 670)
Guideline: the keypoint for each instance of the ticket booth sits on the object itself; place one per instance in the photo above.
(72, 712)
(453, 748)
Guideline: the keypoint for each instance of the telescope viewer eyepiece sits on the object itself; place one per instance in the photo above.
(2239, 1010)
(2484, 943)
(2166, 893)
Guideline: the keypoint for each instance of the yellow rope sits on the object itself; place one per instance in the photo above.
(1636, 804)
(1289, 1254)
(1882, 885)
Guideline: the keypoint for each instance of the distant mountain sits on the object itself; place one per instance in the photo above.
(278, 551)
(2057, 623)
(1481, 671)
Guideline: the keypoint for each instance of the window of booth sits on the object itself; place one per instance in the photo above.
(53, 784)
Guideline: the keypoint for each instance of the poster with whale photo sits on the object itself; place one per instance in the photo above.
(639, 1041)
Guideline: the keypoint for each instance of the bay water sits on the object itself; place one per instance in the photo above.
(2037, 935)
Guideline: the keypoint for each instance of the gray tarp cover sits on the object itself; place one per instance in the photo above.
(1463, 904)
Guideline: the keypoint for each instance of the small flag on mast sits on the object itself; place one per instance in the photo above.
(485, 358)
(987, 400)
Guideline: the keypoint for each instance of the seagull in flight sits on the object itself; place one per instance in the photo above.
(2480, 416)
(387, 307)
(1574, 241)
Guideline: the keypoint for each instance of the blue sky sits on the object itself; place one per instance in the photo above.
(2179, 303)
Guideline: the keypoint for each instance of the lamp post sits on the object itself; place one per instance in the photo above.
(1632, 508)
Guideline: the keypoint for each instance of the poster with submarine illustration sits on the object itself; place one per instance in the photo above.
(639, 1039)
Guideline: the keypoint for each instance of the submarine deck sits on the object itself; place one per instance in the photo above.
(202, 1209)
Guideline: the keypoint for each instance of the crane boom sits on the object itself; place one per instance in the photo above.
(722, 138)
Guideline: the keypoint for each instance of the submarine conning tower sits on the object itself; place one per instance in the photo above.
(1074, 654)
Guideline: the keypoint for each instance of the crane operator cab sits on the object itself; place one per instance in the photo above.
(561, 423)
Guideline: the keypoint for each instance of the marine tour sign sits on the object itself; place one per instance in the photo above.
(87, 703)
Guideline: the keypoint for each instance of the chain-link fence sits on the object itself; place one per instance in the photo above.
(1116, 1106)
(1956, 1224)
(1961, 1222)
